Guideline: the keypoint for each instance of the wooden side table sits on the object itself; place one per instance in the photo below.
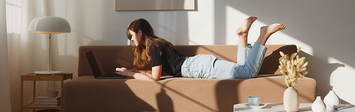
(33, 77)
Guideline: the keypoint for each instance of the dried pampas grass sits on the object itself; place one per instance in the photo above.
(292, 68)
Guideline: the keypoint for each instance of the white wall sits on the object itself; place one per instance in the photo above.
(324, 30)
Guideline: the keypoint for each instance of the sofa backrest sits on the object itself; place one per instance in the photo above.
(110, 57)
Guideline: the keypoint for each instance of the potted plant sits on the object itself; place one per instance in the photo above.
(293, 68)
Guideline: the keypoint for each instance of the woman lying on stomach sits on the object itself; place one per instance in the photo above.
(149, 48)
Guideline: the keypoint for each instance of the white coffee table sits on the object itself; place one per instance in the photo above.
(278, 107)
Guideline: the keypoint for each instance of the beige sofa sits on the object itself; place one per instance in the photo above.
(87, 94)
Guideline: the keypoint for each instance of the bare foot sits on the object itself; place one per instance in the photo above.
(244, 28)
(267, 31)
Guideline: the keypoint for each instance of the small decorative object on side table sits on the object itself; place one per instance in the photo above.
(292, 68)
(331, 100)
(33, 77)
(279, 107)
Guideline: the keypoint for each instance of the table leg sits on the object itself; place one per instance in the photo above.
(61, 94)
(21, 103)
(34, 93)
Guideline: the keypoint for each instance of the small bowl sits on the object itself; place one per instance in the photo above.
(261, 105)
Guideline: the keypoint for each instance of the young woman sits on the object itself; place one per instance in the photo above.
(149, 48)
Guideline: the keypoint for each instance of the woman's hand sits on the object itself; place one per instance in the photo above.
(122, 71)
(150, 75)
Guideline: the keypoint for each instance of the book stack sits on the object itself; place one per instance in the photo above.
(47, 101)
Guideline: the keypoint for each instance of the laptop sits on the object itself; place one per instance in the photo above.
(96, 70)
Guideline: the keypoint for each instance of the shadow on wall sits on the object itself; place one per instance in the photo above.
(321, 71)
(272, 58)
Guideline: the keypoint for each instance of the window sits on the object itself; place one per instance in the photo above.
(13, 16)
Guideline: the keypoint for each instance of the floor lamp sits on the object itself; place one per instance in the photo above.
(49, 25)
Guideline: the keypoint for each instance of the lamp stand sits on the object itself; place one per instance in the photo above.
(48, 72)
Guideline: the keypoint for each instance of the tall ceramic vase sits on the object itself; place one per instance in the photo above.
(318, 105)
(291, 100)
(331, 100)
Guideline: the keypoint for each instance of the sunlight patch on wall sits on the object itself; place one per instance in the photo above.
(233, 22)
(201, 27)
(234, 19)
(342, 80)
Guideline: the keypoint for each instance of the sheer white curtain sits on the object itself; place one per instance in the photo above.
(26, 51)
(4, 75)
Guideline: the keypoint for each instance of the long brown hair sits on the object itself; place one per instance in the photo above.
(141, 52)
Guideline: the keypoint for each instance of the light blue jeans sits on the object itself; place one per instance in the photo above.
(249, 61)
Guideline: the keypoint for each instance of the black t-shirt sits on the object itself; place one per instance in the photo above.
(170, 58)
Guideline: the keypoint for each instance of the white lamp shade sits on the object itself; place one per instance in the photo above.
(49, 25)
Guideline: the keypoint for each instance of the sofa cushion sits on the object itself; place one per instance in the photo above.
(177, 94)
